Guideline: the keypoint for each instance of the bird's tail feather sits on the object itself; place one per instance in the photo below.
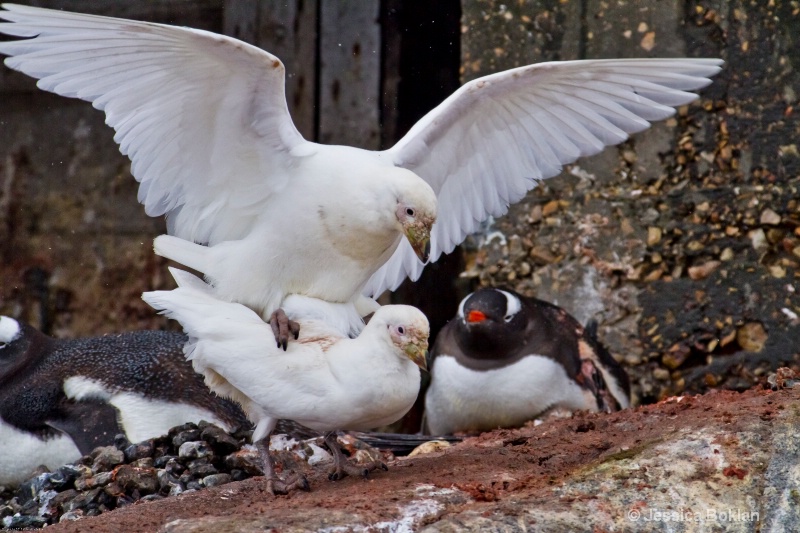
(187, 253)
(194, 305)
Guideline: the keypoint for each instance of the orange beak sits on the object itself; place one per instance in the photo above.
(475, 316)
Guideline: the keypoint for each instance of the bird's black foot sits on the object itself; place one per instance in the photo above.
(276, 485)
(342, 467)
(282, 327)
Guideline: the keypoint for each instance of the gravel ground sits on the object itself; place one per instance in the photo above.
(189, 458)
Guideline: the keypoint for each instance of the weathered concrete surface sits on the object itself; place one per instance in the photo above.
(75, 245)
(683, 242)
(724, 461)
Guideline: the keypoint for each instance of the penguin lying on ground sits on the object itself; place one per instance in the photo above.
(506, 359)
(59, 399)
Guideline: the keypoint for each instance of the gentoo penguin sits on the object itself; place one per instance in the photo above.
(325, 380)
(505, 359)
(59, 399)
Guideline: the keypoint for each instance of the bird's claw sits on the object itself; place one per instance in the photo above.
(277, 486)
(282, 327)
(346, 469)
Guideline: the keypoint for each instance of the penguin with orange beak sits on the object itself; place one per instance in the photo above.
(506, 359)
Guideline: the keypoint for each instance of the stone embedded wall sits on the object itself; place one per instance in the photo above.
(685, 241)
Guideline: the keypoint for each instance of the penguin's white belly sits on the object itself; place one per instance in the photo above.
(21, 453)
(143, 418)
(140, 417)
(462, 399)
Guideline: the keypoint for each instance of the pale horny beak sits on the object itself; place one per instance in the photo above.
(417, 352)
(419, 237)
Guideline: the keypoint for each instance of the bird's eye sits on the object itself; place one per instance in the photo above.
(401, 330)
(508, 318)
(410, 212)
(2, 345)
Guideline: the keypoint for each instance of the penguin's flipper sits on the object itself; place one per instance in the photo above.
(89, 423)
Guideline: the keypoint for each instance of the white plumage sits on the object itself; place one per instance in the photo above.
(324, 381)
(204, 120)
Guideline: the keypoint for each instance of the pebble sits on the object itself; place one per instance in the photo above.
(106, 457)
(194, 449)
(215, 480)
(119, 475)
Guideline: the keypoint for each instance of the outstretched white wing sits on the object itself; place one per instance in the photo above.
(202, 117)
(485, 146)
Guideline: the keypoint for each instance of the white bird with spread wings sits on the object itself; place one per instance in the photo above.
(264, 213)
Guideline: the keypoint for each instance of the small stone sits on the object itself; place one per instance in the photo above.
(694, 246)
(768, 216)
(541, 255)
(183, 427)
(246, 459)
(536, 214)
(430, 447)
(549, 208)
(185, 436)
(758, 239)
(130, 478)
(193, 485)
(777, 271)
(222, 443)
(194, 450)
(146, 462)
(106, 458)
(121, 441)
(167, 481)
(653, 235)
(70, 516)
(661, 374)
(203, 470)
(704, 270)
(139, 451)
(676, 356)
(62, 499)
(648, 41)
(162, 461)
(25, 522)
(101, 479)
(30, 488)
(215, 480)
(239, 475)
(751, 337)
(727, 254)
(85, 499)
(626, 227)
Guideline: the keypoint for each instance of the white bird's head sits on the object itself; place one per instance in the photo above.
(415, 210)
(407, 329)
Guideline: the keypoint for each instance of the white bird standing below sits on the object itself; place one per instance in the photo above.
(263, 213)
(325, 381)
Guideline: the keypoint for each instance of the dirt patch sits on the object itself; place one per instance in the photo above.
(494, 469)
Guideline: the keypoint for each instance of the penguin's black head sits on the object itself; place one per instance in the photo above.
(491, 323)
(16, 342)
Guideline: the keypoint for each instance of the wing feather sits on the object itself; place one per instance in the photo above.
(202, 117)
(498, 135)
